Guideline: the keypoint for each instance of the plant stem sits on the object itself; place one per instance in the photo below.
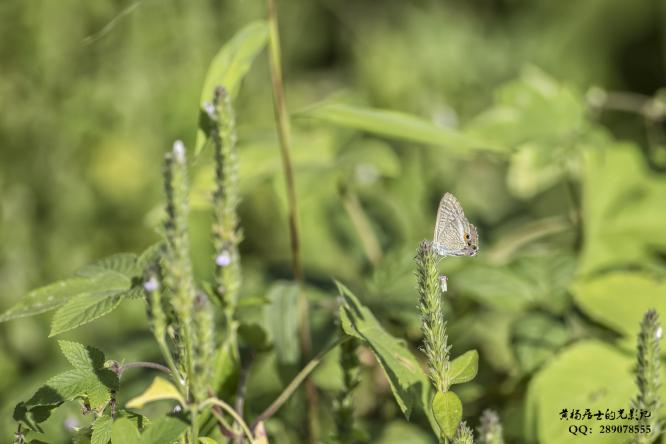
(142, 364)
(293, 385)
(284, 135)
(227, 408)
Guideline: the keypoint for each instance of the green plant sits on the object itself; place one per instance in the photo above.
(648, 377)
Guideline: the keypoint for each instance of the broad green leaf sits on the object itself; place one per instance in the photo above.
(102, 430)
(623, 209)
(230, 65)
(589, 374)
(447, 408)
(82, 356)
(281, 321)
(407, 379)
(57, 294)
(160, 389)
(620, 299)
(163, 430)
(76, 383)
(83, 309)
(464, 367)
(396, 125)
(123, 263)
(125, 432)
(88, 380)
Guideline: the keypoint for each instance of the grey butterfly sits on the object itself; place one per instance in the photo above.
(454, 235)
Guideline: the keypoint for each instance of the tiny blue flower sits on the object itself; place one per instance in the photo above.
(223, 259)
(151, 284)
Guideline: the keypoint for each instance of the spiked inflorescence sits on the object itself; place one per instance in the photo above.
(490, 429)
(226, 198)
(433, 325)
(648, 376)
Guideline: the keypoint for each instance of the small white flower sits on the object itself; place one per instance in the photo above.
(223, 259)
(179, 151)
(210, 109)
(151, 284)
(657, 334)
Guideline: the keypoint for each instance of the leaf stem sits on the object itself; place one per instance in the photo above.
(143, 364)
(227, 408)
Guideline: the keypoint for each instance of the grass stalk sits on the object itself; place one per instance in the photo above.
(284, 136)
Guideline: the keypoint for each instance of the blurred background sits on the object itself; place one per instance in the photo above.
(570, 201)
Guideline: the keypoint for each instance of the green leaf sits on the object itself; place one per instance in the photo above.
(464, 367)
(281, 321)
(83, 309)
(102, 430)
(57, 294)
(160, 389)
(124, 264)
(589, 374)
(407, 380)
(163, 430)
(395, 125)
(125, 432)
(447, 408)
(82, 356)
(230, 65)
(623, 209)
(620, 299)
(207, 440)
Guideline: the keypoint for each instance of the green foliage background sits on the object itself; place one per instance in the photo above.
(567, 190)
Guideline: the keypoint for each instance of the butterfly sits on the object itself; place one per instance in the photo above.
(454, 235)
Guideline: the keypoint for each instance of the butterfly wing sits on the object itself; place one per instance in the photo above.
(451, 226)
(473, 247)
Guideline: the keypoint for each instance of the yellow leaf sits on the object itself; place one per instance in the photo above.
(160, 389)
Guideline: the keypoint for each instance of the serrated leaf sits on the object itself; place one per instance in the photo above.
(281, 321)
(82, 356)
(407, 379)
(395, 125)
(32, 416)
(230, 65)
(447, 408)
(57, 294)
(125, 432)
(164, 430)
(101, 430)
(83, 309)
(159, 389)
(464, 367)
(124, 264)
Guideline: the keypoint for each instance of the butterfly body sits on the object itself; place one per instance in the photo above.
(454, 235)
